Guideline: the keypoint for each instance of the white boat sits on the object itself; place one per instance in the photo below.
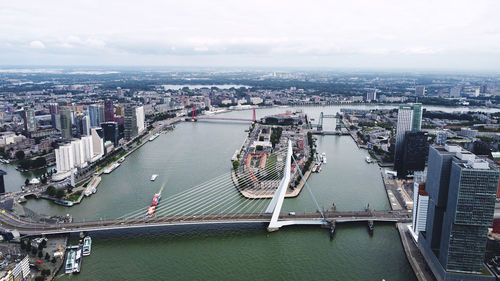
(153, 177)
(153, 137)
(323, 157)
(368, 159)
(110, 168)
(87, 246)
(70, 262)
(324, 160)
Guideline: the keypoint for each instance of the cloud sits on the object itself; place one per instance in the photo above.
(37, 44)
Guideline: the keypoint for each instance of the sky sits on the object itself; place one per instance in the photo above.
(392, 34)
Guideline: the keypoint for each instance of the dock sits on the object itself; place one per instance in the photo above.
(92, 186)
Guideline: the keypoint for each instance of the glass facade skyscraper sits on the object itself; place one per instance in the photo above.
(462, 192)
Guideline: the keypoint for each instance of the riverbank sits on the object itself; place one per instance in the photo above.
(413, 254)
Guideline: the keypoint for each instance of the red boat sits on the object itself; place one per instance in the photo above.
(154, 203)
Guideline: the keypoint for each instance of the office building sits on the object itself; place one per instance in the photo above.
(29, 120)
(2, 183)
(66, 124)
(110, 130)
(82, 125)
(130, 123)
(420, 91)
(409, 119)
(109, 111)
(414, 153)
(462, 190)
(96, 113)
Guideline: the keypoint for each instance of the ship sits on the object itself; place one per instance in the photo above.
(87, 246)
(153, 137)
(110, 168)
(370, 227)
(323, 157)
(153, 177)
(154, 203)
(70, 262)
(368, 159)
(64, 203)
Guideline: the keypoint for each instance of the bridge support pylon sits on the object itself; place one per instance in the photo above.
(279, 196)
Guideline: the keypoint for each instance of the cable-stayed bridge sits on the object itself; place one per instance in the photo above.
(216, 202)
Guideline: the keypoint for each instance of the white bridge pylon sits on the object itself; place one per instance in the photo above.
(277, 201)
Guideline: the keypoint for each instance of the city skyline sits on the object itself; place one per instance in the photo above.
(389, 35)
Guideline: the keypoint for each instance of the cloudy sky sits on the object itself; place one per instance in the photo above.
(458, 34)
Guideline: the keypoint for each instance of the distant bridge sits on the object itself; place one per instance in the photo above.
(195, 117)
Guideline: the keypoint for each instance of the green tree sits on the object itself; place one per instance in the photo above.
(20, 155)
(26, 182)
(39, 278)
(236, 165)
(47, 256)
(60, 193)
(40, 254)
(51, 190)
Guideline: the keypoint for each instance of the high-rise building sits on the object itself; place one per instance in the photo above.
(2, 183)
(414, 153)
(139, 111)
(96, 113)
(29, 120)
(420, 205)
(371, 95)
(64, 158)
(66, 124)
(462, 191)
(55, 117)
(110, 130)
(130, 122)
(97, 143)
(82, 125)
(420, 91)
(409, 119)
(109, 111)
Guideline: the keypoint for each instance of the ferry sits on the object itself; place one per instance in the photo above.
(153, 137)
(70, 262)
(87, 245)
(153, 177)
(368, 159)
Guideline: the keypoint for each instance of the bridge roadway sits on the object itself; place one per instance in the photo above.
(10, 221)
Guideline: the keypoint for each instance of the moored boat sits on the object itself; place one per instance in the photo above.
(87, 246)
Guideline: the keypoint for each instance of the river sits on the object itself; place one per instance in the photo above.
(194, 153)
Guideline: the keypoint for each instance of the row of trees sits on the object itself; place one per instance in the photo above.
(35, 163)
